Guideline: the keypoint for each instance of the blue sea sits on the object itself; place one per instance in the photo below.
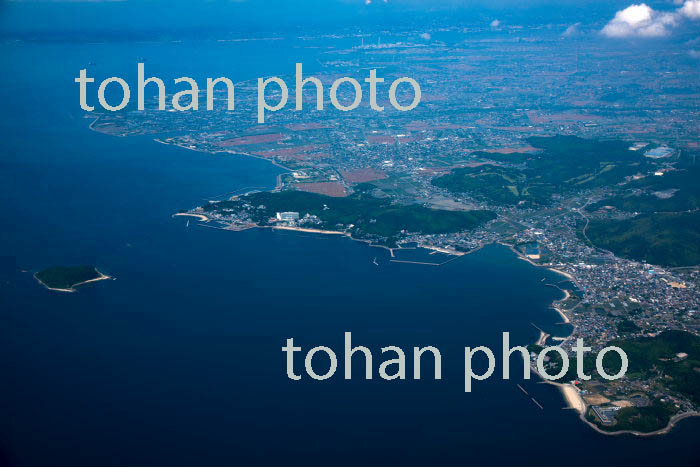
(178, 361)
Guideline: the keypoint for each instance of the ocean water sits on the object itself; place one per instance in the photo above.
(177, 362)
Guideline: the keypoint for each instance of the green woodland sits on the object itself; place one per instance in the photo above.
(564, 164)
(664, 239)
(675, 191)
(368, 216)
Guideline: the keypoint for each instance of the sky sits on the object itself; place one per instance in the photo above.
(142, 14)
(91, 16)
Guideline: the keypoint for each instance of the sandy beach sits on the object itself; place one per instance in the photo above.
(563, 273)
(302, 229)
(561, 313)
(201, 217)
(573, 398)
(575, 401)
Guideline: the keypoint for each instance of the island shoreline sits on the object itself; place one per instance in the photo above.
(72, 289)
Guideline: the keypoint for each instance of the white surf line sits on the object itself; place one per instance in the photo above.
(414, 262)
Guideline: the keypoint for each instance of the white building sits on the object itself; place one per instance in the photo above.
(287, 216)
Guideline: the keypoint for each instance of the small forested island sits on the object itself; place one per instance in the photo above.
(67, 278)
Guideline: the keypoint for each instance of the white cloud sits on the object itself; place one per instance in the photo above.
(426, 36)
(643, 21)
(572, 30)
(691, 9)
(694, 53)
(495, 23)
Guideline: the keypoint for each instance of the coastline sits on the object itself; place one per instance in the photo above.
(673, 421)
(563, 273)
(567, 294)
(572, 397)
(326, 232)
(289, 228)
(278, 181)
(446, 251)
(663, 431)
(201, 217)
(307, 230)
(556, 308)
(525, 258)
(102, 277)
(575, 401)
(569, 392)
(236, 153)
